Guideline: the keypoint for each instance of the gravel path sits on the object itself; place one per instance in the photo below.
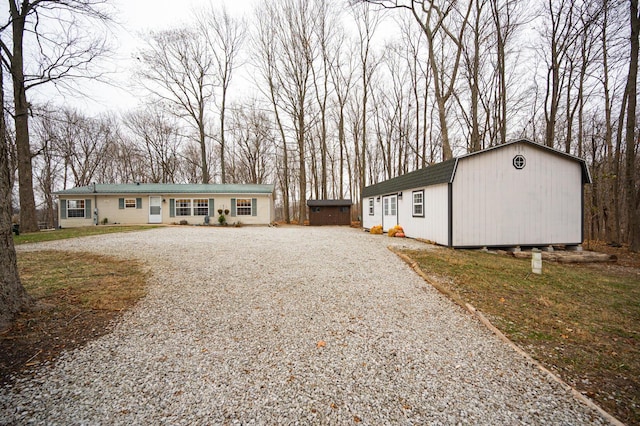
(285, 325)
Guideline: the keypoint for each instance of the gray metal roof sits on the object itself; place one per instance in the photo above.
(444, 172)
(168, 188)
(327, 203)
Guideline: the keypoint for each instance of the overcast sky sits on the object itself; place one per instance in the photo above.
(134, 17)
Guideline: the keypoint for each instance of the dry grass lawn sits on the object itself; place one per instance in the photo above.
(582, 322)
(77, 297)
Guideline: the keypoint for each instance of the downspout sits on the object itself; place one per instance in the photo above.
(95, 209)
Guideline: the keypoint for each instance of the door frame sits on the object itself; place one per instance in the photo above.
(158, 217)
(385, 199)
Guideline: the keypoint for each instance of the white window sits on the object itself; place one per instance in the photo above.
(385, 203)
(393, 206)
(371, 211)
(243, 207)
(183, 207)
(418, 203)
(130, 203)
(201, 207)
(75, 208)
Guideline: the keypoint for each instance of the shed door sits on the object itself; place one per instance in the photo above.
(389, 212)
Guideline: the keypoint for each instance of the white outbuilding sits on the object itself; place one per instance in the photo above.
(517, 194)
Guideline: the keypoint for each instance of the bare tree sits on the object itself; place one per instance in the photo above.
(293, 52)
(158, 136)
(254, 139)
(62, 54)
(13, 297)
(178, 68)
(267, 63)
(342, 75)
(631, 132)
(443, 23)
(367, 23)
(224, 35)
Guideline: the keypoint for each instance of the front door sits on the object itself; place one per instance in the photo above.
(155, 209)
(389, 212)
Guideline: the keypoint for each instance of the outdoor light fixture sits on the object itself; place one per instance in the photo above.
(400, 195)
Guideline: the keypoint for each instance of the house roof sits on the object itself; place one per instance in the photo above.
(167, 188)
(445, 172)
(327, 203)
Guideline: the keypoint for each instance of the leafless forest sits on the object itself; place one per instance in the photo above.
(341, 94)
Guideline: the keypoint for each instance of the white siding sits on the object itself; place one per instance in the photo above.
(369, 221)
(434, 225)
(494, 204)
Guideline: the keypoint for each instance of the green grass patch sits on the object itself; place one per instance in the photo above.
(581, 321)
(61, 234)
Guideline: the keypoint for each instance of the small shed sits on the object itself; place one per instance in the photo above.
(517, 194)
(329, 212)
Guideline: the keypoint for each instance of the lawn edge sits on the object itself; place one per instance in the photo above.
(480, 317)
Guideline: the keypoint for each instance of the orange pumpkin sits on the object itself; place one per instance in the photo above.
(400, 234)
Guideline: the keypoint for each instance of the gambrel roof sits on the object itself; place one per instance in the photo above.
(445, 172)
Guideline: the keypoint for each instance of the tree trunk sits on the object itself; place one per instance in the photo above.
(223, 106)
(13, 297)
(28, 220)
(630, 139)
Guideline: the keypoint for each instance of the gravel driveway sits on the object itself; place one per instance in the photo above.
(285, 325)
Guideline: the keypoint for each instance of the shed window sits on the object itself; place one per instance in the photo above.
(130, 203)
(75, 208)
(418, 203)
(183, 207)
(243, 206)
(519, 162)
(371, 210)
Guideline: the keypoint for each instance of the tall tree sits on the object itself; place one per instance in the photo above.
(631, 136)
(224, 35)
(178, 68)
(66, 53)
(367, 23)
(13, 297)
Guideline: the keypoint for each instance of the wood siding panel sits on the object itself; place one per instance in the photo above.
(495, 204)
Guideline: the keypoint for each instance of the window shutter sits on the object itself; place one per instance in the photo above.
(138, 203)
(172, 207)
(254, 207)
(233, 207)
(87, 209)
(211, 210)
(121, 203)
(63, 209)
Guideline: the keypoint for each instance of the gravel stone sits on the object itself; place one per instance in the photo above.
(285, 325)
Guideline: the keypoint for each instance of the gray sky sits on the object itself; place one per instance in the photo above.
(134, 17)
